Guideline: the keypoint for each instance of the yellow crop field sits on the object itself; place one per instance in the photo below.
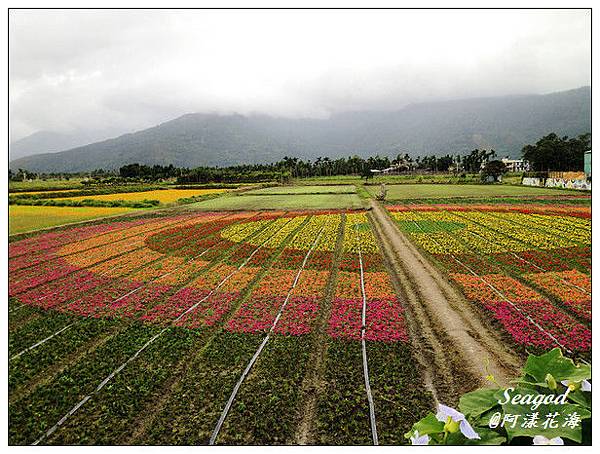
(162, 195)
(22, 218)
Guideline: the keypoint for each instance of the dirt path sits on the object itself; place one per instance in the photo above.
(456, 348)
(313, 384)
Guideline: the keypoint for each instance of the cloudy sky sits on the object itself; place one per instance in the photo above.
(127, 70)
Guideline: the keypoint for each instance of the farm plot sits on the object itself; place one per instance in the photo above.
(204, 328)
(526, 266)
(23, 218)
(164, 196)
(316, 189)
(418, 191)
(281, 202)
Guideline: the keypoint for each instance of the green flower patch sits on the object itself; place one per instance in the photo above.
(427, 226)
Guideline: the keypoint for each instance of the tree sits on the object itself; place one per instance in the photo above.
(366, 173)
(474, 161)
(552, 152)
(493, 169)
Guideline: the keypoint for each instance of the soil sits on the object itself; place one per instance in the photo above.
(313, 383)
(456, 349)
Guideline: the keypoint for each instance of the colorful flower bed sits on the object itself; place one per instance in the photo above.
(514, 248)
(384, 313)
(551, 324)
(136, 278)
(570, 287)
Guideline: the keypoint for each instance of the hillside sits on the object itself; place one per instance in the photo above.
(51, 142)
(505, 124)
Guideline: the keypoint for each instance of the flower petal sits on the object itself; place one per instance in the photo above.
(444, 412)
(417, 440)
(540, 440)
(468, 431)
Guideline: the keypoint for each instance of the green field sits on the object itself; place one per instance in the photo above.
(281, 202)
(470, 178)
(23, 218)
(343, 195)
(38, 185)
(417, 191)
(294, 190)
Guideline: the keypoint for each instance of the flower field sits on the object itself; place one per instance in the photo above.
(137, 331)
(526, 266)
(163, 195)
(23, 218)
(274, 327)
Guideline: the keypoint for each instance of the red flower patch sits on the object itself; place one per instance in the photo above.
(384, 320)
(209, 311)
(568, 331)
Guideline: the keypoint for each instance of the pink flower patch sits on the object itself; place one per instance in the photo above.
(298, 316)
(209, 311)
(94, 302)
(174, 306)
(256, 315)
(568, 332)
(384, 320)
(137, 303)
(29, 278)
(57, 292)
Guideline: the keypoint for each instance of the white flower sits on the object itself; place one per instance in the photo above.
(419, 440)
(574, 385)
(541, 440)
(455, 420)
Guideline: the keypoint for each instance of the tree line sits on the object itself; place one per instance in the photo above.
(552, 152)
(549, 153)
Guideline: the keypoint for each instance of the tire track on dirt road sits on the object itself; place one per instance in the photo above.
(455, 347)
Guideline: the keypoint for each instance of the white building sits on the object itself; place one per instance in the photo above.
(516, 165)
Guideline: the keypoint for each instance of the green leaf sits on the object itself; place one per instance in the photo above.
(487, 437)
(543, 410)
(556, 364)
(426, 426)
(582, 398)
(477, 402)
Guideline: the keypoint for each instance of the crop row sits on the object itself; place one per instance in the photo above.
(507, 274)
(204, 281)
(175, 390)
(180, 306)
(534, 266)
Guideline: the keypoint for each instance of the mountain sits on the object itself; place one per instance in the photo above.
(505, 124)
(51, 142)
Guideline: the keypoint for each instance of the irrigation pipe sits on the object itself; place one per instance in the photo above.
(363, 330)
(502, 296)
(237, 386)
(129, 293)
(136, 354)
